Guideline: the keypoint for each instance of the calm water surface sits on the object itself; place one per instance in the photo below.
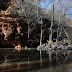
(61, 68)
(29, 61)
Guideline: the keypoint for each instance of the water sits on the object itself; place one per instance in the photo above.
(40, 58)
(29, 61)
(62, 68)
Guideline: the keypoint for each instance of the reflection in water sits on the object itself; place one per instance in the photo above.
(5, 59)
(63, 68)
(40, 58)
(29, 61)
(18, 66)
(70, 70)
(50, 59)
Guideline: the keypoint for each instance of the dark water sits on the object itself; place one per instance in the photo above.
(29, 61)
(62, 68)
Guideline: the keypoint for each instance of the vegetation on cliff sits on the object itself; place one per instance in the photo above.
(20, 23)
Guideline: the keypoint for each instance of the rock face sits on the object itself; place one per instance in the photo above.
(13, 31)
(13, 27)
(14, 22)
(4, 4)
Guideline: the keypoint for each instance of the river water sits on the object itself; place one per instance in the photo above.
(30, 61)
(61, 68)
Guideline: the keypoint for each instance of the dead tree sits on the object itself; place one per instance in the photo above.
(52, 22)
